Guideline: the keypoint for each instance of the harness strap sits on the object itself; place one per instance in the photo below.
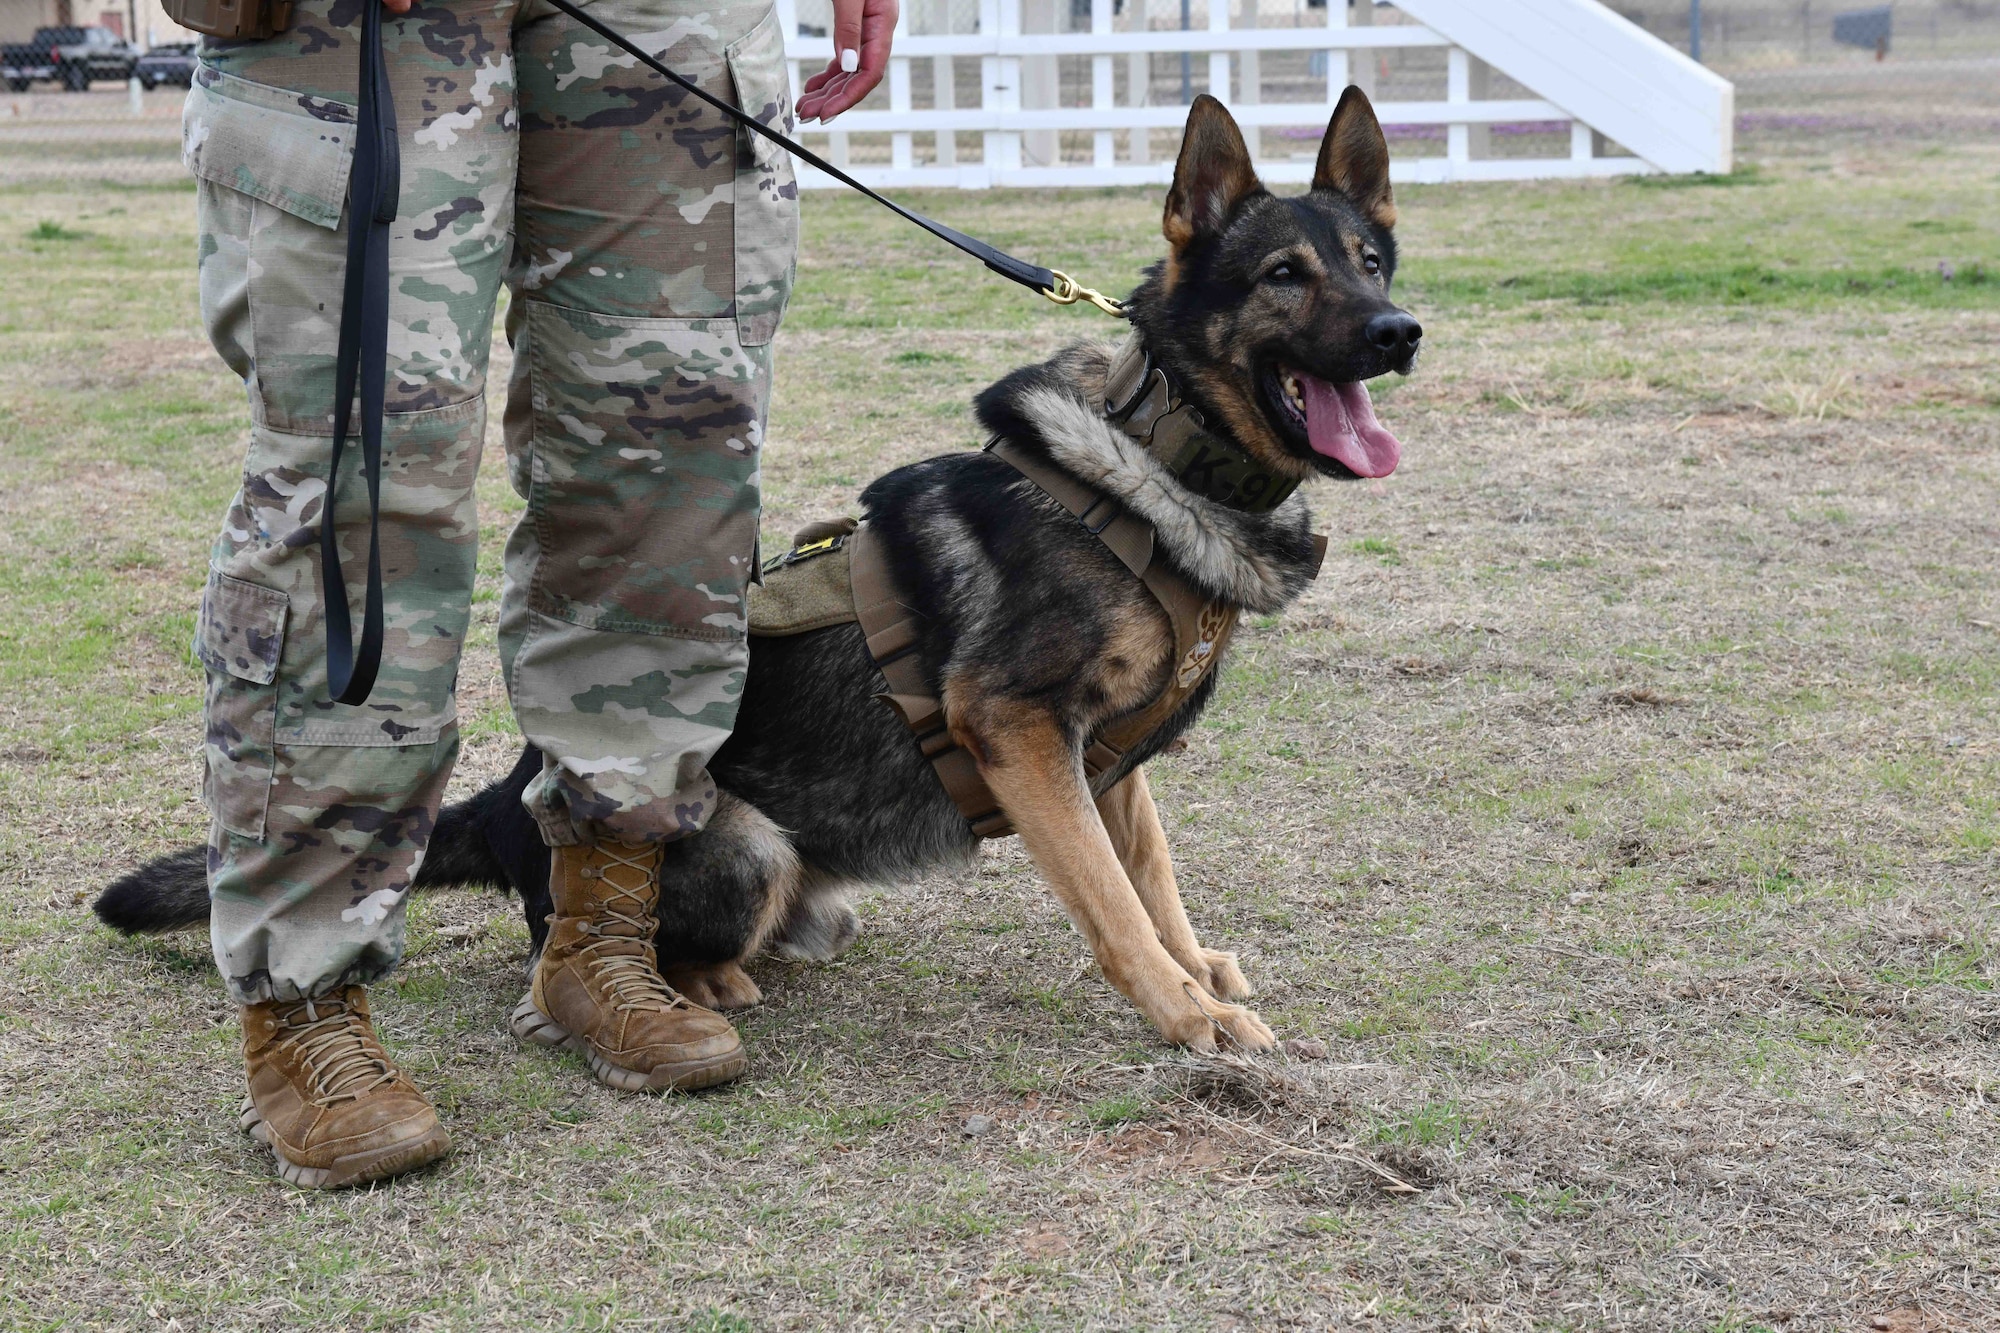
(891, 630)
(361, 360)
(1201, 625)
(1129, 536)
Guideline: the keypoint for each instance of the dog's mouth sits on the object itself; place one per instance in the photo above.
(1336, 420)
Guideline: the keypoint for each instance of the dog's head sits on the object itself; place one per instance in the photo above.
(1272, 311)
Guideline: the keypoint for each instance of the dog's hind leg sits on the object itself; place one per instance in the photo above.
(822, 924)
(723, 892)
(1028, 763)
(1134, 825)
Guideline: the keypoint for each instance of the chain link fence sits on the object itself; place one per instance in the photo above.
(108, 133)
(1777, 35)
(1809, 74)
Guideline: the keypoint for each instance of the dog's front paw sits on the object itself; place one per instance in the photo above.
(1219, 975)
(1246, 1031)
(719, 986)
(1214, 1024)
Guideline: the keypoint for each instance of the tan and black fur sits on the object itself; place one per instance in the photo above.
(1034, 635)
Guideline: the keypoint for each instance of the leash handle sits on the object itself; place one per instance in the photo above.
(1058, 287)
(374, 189)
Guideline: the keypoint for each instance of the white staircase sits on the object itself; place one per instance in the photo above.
(1588, 71)
(1603, 71)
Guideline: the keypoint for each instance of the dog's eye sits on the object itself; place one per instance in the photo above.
(1282, 273)
(1372, 264)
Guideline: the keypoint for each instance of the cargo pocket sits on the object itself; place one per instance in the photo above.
(767, 193)
(240, 640)
(288, 149)
(271, 167)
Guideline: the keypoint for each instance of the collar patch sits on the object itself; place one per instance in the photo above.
(1140, 400)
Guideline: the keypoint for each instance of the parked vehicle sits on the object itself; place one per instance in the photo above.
(71, 56)
(169, 62)
(23, 63)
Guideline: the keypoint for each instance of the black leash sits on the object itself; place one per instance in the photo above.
(375, 180)
(1052, 283)
(374, 184)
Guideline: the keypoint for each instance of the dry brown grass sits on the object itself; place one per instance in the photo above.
(1611, 832)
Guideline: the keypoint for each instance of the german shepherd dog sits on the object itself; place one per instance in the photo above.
(1268, 312)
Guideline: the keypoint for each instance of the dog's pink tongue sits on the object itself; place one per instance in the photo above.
(1340, 423)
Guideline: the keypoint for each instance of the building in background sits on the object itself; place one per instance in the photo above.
(143, 20)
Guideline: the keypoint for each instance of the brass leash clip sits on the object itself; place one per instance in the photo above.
(1068, 291)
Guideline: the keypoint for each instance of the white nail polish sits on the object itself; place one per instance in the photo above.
(850, 60)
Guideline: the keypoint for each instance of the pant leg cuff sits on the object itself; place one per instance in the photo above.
(260, 987)
(558, 831)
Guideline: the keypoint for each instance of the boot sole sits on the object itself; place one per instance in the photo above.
(537, 1028)
(358, 1169)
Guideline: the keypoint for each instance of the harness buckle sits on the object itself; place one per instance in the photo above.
(1116, 413)
(805, 552)
(1111, 512)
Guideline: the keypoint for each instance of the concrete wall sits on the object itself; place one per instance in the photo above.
(20, 18)
(155, 26)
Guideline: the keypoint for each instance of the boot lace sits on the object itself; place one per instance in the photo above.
(633, 978)
(338, 1049)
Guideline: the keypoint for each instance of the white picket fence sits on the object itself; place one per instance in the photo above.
(1605, 95)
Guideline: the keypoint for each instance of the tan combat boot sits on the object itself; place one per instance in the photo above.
(325, 1098)
(598, 990)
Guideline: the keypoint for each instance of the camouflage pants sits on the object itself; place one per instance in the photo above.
(647, 247)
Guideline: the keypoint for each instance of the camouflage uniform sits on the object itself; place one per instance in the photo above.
(647, 244)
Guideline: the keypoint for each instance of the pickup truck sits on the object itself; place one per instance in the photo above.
(71, 56)
(169, 62)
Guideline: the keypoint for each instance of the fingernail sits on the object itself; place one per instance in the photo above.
(850, 60)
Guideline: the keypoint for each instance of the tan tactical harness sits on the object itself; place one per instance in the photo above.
(801, 593)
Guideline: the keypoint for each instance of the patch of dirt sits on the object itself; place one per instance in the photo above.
(1634, 696)
(1159, 1148)
(125, 365)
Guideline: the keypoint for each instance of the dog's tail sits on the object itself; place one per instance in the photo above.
(171, 892)
(166, 893)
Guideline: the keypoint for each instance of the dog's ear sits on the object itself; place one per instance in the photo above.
(1211, 178)
(1354, 158)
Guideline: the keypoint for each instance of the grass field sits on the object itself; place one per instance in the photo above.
(1619, 810)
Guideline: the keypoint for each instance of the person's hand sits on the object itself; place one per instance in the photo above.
(396, 6)
(862, 30)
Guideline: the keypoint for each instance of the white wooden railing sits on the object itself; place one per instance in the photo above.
(1022, 126)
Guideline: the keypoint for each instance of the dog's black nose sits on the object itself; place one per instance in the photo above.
(1394, 332)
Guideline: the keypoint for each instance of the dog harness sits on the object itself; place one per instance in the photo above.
(802, 589)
